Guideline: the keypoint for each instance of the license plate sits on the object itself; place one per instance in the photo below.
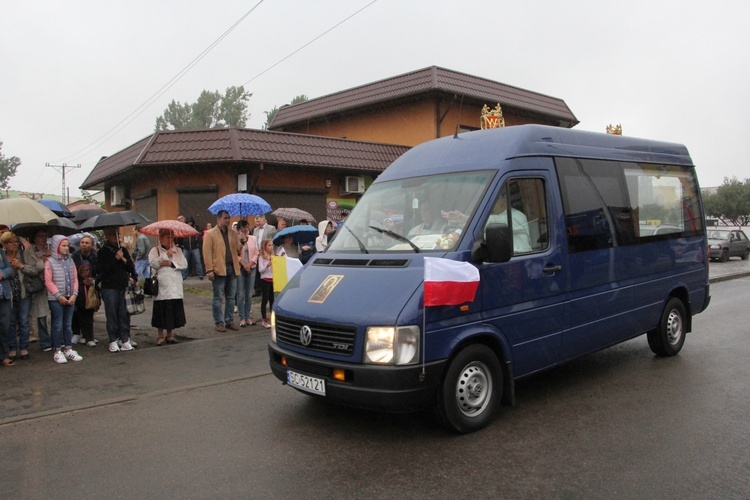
(306, 383)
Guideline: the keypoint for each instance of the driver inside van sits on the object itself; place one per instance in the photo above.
(432, 222)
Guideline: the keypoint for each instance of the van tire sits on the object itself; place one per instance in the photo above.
(669, 336)
(472, 389)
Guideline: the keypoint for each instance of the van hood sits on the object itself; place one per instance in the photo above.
(356, 291)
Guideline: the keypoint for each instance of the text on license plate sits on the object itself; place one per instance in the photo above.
(306, 383)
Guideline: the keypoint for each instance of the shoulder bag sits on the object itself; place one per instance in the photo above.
(134, 300)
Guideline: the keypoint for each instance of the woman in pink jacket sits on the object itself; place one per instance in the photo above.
(61, 281)
(246, 279)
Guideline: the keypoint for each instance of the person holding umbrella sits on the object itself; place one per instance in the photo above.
(168, 262)
(221, 248)
(6, 271)
(116, 271)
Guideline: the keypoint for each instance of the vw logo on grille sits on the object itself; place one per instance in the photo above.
(305, 335)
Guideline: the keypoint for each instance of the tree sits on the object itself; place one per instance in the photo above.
(210, 110)
(270, 115)
(731, 201)
(8, 167)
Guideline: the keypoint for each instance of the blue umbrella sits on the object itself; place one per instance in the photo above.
(240, 205)
(58, 208)
(301, 234)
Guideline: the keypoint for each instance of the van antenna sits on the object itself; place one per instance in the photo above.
(460, 106)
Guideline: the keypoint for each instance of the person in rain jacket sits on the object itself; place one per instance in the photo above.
(61, 281)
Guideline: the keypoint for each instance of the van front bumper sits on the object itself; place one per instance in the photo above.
(372, 387)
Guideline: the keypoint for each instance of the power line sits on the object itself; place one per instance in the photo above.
(140, 109)
(308, 43)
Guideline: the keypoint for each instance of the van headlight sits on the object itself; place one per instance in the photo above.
(392, 345)
(273, 327)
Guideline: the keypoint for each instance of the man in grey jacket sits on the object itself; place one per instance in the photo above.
(140, 255)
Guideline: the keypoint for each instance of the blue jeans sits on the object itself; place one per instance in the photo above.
(62, 321)
(116, 311)
(143, 268)
(18, 333)
(225, 288)
(193, 257)
(245, 287)
(4, 327)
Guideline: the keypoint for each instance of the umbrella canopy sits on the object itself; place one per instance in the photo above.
(179, 229)
(19, 210)
(301, 234)
(58, 208)
(60, 225)
(240, 205)
(294, 215)
(114, 219)
(83, 213)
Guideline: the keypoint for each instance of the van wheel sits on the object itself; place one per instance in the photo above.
(471, 390)
(669, 336)
(724, 256)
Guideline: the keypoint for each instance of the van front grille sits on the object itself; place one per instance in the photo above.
(331, 339)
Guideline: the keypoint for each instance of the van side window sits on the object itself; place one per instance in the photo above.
(587, 221)
(610, 202)
(527, 216)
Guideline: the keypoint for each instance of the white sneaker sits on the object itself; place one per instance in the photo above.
(113, 347)
(76, 339)
(82, 341)
(126, 346)
(133, 342)
(266, 324)
(91, 343)
(59, 357)
(73, 356)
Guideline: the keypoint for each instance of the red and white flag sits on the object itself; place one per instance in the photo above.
(448, 282)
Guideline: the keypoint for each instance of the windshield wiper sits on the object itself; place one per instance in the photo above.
(396, 236)
(362, 247)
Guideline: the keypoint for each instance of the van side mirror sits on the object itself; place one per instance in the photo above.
(497, 245)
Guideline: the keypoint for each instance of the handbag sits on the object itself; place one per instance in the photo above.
(151, 285)
(33, 284)
(134, 300)
(93, 299)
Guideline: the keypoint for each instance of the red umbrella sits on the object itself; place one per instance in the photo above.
(179, 229)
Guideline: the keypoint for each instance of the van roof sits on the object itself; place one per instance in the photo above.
(485, 149)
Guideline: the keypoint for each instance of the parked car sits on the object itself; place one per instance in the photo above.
(725, 243)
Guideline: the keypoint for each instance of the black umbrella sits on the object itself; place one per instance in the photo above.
(114, 219)
(83, 214)
(60, 225)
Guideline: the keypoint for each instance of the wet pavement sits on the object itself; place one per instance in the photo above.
(38, 386)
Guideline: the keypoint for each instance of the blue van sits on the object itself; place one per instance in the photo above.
(556, 222)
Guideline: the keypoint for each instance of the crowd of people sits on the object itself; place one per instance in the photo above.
(42, 277)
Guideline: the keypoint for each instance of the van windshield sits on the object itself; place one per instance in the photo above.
(418, 214)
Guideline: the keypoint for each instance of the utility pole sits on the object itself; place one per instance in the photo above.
(61, 169)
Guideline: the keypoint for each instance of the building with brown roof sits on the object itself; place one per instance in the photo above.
(317, 154)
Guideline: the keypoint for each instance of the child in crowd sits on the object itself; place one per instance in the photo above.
(61, 281)
(266, 278)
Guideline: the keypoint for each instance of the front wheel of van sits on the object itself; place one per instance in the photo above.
(669, 336)
(471, 390)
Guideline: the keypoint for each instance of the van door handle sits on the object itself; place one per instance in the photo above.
(552, 269)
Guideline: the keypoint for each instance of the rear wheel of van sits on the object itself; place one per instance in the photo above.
(471, 390)
(669, 336)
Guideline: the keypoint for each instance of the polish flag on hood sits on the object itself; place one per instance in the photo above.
(448, 282)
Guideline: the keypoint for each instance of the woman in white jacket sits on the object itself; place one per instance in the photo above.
(168, 262)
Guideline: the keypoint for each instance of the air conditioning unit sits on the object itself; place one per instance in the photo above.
(354, 185)
(117, 196)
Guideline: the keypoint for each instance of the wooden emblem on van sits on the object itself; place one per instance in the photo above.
(492, 118)
(324, 290)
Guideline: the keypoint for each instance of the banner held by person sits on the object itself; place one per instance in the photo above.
(284, 268)
(448, 282)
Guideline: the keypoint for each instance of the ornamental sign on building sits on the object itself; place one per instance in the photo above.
(492, 118)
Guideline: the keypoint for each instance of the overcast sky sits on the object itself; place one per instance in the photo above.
(75, 75)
